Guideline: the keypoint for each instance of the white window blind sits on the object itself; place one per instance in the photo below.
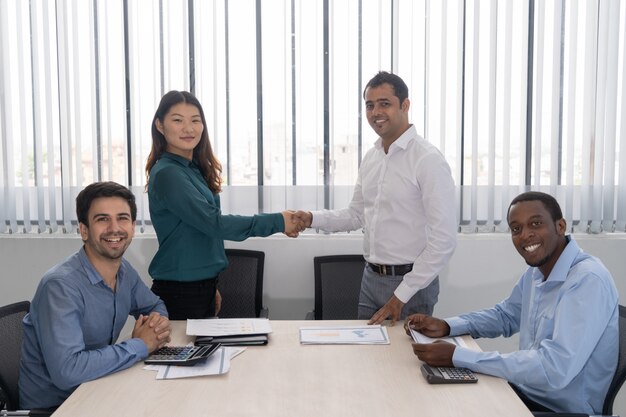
(517, 94)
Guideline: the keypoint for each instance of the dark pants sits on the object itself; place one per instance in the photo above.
(532, 405)
(187, 300)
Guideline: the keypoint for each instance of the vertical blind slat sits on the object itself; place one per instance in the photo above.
(538, 122)
(505, 133)
(474, 111)
(621, 186)
(572, 93)
(6, 173)
(22, 112)
(37, 66)
(493, 77)
(610, 113)
(66, 136)
(556, 93)
(595, 225)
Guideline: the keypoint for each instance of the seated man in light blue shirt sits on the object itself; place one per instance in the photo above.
(82, 304)
(565, 307)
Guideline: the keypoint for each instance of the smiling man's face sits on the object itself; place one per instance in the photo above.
(110, 229)
(386, 115)
(536, 236)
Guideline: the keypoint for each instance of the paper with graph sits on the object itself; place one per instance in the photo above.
(344, 335)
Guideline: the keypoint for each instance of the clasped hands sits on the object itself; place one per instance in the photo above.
(438, 353)
(153, 329)
(296, 221)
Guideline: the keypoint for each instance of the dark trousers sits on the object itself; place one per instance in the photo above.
(532, 405)
(187, 300)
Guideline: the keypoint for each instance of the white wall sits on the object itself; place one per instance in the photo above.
(481, 272)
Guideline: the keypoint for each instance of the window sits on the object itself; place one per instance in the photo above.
(518, 95)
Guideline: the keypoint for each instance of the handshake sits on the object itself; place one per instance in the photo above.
(296, 221)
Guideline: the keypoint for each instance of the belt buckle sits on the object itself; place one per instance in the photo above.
(384, 269)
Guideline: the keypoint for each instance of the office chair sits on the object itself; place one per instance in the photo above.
(618, 378)
(337, 287)
(10, 352)
(620, 372)
(241, 285)
(11, 336)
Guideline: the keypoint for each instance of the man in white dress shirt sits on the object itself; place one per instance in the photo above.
(404, 200)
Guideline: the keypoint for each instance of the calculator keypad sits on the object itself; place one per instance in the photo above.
(174, 353)
(456, 373)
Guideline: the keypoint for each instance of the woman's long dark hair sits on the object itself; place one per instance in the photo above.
(203, 155)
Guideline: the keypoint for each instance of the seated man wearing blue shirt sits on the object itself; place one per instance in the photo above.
(565, 307)
(82, 304)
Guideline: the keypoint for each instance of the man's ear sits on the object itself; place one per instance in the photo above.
(405, 105)
(84, 231)
(561, 227)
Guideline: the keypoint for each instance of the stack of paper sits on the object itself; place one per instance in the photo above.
(230, 332)
(420, 338)
(344, 335)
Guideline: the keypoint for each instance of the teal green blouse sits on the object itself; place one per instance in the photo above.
(189, 225)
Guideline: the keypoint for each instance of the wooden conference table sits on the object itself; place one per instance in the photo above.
(286, 378)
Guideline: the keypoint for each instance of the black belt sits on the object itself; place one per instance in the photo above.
(391, 269)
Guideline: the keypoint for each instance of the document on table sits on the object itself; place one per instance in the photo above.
(420, 338)
(228, 327)
(344, 335)
(216, 364)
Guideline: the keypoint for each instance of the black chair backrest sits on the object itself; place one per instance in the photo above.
(620, 373)
(11, 336)
(337, 286)
(241, 284)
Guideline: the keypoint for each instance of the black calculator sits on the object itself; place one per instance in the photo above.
(443, 375)
(181, 355)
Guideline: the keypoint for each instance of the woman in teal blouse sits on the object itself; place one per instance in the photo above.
(184, 182)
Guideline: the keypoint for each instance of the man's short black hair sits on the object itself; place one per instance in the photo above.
(548, 201)
(399, 87)
(102, 189)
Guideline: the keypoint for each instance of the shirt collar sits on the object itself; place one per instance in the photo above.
(94, 276)
(402, 142)
(564, 263)
(183, 161)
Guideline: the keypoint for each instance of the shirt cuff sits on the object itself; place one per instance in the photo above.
(458, 326)
(318, 219)
(139, 347)
(464, 357)
(404, 292)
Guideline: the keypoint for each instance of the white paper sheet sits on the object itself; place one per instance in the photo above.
(352, 335)
(226, 327)
(420, 338)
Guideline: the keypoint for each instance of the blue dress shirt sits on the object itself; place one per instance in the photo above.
(568, 328)
(70, 332)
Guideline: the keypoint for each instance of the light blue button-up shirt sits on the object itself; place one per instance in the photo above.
(70, 332)
(568, 328)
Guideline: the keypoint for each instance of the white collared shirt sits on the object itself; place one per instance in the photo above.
(405, 202)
